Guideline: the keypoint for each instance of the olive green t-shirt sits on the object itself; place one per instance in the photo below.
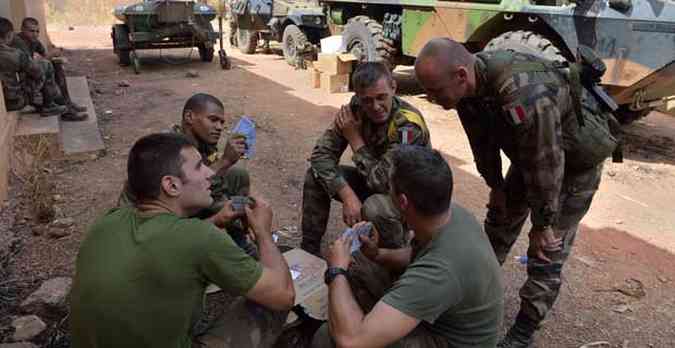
(453, 285)
(140, 281)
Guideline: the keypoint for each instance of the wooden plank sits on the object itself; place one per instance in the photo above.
(83, 136)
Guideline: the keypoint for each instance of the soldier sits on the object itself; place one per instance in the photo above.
(142, 271)
(54, 88)
(526, 107)
(203, 123)
(450, 292)
(373, 124)
(16, 69)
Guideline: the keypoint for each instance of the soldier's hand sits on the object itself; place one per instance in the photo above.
(225, 215)
(348, 123)
(339, 254)
(235, 148)
(543, 241)
(259, 217)
(370, 244)
(351, 211)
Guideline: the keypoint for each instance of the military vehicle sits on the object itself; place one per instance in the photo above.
(298, 24)
(634, 38)
(164, 24)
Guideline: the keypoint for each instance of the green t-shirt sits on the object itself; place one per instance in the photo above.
(454, 285)
(140, 281)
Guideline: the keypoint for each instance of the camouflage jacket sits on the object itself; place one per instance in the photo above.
(374, 159)
(521, 114)
(13, 66)
(28, 47)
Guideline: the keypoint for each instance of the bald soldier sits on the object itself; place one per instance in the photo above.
(525, 107)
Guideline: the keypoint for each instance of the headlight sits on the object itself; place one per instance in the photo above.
(317, 21)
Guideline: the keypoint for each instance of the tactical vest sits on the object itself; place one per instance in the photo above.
(588, 141)
(407, 116)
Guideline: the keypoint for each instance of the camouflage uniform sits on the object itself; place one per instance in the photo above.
(14, 68)
(235, 182)
(369, 179)
(526, 115)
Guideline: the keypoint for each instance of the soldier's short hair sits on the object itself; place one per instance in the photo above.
(6, 27)
(424, 177)
(29, 21)
(153, 157)
(198, 102)
(367, 74)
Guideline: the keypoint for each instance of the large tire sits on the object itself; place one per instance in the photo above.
(364, 38)
(292, 39)
(247, 40)
(206, 53)
(120, 38)
(526, 42)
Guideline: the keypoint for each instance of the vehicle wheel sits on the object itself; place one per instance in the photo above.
(136, 62)
(627, 116)
(206, 53)
(120, 36)
(293, 39)
(247, 40)
(526, 42)
(363, 37)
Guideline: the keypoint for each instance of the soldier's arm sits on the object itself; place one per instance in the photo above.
(536, 114)
(376, 170)
(485, 150)
(325, 159)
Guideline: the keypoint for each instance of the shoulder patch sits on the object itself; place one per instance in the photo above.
(516, 113)
(406, 135)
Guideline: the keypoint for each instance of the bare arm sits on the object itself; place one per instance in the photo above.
(395, 260)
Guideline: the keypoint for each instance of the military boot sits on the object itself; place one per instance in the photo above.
(520, 335)
(51, 109)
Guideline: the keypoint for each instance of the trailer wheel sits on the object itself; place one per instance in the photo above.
(293, 40)
(206, 53)
(247, 40)
(364, 38)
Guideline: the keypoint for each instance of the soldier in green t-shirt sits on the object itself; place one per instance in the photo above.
(450, 292)
(141, 272)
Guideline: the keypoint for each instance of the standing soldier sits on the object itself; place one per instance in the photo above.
(374, 124)
(533, 111)
(16, 69)
(54, 89)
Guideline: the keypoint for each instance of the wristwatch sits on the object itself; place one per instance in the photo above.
(333, 272)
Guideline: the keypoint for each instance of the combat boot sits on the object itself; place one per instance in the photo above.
(521, 334)
(73, 116)
(51, 109)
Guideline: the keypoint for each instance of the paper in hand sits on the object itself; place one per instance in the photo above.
(354, 233)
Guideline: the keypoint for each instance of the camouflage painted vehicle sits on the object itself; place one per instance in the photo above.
(634, 38)
(162, 24)
(298, 24)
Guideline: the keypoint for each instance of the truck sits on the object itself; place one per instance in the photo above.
(634, 38)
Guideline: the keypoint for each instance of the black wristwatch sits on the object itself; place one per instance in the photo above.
(333, 272)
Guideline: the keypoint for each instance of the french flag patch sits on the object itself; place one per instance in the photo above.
(406, 136)
(517, 113)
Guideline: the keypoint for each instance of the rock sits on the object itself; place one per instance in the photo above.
(192, 73)
(38, 230)
(58, 198)
(108, 113)
(18, 345)
(118, 92)
(63, 223)
(124, 83)
(52, 292)
(663, 279)
(25, 328)
(57, 233)
(621, 308)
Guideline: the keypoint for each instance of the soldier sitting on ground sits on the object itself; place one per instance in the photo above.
(373, 124)
(18, 74)
(450, 293)
(53, 83)
(203, 123)
(141, 271)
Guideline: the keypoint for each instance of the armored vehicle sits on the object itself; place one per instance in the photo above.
(634, 38)
(163, 24)
(298, 24)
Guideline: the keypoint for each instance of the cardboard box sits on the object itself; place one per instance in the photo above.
(335, 83)
(314, 78)
(311, 293)
(335, 64)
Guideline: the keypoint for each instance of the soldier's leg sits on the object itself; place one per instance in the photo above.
(49, 90)
(380, 210)
(503, 228)
(244, 325)
(60, 80)
(542, 286)
(316, 207)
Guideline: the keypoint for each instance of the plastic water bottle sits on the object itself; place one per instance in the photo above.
(521, 259)
(246, 127)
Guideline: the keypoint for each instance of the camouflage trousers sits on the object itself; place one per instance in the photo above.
(542, 286)
(369, 282)
(377, 208)
(243, 325)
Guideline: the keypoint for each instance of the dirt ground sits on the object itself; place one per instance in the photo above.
(626, 241)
